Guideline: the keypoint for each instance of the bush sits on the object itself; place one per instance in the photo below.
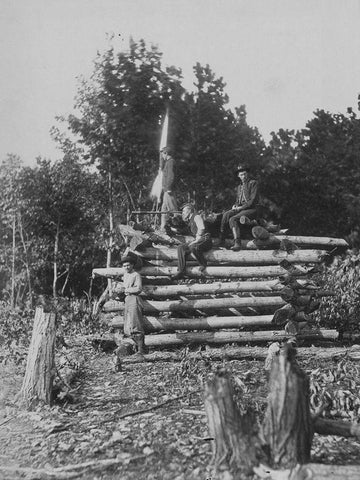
(343, 310)
(15, 332)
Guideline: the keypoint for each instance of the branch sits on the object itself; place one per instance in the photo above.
(158, 405)
(70, 471)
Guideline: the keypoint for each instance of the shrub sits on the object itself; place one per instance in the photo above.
(343, 310)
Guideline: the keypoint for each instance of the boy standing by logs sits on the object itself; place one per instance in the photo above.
(245, 207)
(133, 316)
(201, 243)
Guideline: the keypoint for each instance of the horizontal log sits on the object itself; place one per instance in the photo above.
(212, 288)
(309, 471)
(157, 324)
(267, 286)
(243, 257)
(324, 426)
(275, 240)
(241, 353)
(194, 272)
(199, 304)
(300, 241)
(232, 337)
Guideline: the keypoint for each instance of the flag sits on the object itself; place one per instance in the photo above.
(157, 185)
(164, 132)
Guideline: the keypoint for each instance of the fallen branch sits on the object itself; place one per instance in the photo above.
(324, 426)
(310, 471)
(69, 471)
(155, 407)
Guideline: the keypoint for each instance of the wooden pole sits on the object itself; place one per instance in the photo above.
(194, 272)
(199, 304)
(233, 337)
(243, 257)
(241, 353)
(39, 374)
(157, 324)
(288, 427)
(268, 286)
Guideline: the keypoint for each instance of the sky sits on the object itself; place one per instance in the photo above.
(283, 59)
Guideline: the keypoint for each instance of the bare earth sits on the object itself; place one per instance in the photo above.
(169, 442)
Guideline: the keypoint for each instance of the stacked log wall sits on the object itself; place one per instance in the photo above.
(259, 294)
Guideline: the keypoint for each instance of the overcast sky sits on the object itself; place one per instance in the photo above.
(281, 58)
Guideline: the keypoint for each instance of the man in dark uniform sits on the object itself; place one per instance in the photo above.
(167, 167)
(246, 206)
(201, 243)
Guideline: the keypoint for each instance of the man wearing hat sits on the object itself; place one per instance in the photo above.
(167, 166)
(133, 316)
(201, 243)
(246, 205)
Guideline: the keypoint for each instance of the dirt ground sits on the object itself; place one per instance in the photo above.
(169, 442)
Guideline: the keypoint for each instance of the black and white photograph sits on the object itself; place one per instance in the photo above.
(180, 240)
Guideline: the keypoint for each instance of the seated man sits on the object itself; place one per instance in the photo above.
(201, 243)
(246, 206)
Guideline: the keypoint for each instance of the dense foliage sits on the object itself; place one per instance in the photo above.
(342, 311)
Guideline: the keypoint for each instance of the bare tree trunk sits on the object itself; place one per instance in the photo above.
(27, 263)
(12, 298)
(235, 436)
(39, 374)
(56, 252)
(288, 426)
(66, 281)
(111, 227)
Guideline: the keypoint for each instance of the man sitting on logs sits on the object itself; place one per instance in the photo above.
(201, 243)
(133, 316)
(244, 209)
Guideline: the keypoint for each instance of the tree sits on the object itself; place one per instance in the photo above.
(119, 113)
(312, 176)
(10, 218)
(64, 205)
(216, 140)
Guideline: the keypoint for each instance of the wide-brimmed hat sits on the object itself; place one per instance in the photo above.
(242, 168)
(128, 259)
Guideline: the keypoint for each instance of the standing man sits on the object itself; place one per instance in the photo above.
(246, 205)
(133, 316)
(167, 167)
(201, 243)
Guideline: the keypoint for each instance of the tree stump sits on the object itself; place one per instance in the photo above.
(287, 426)
(39, 374)
(235, 435)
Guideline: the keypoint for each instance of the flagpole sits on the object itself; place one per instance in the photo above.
(163, 143)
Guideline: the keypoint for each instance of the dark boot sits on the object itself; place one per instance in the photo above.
(140, 343)
(221, 240)
(177, 276)
(237, 245)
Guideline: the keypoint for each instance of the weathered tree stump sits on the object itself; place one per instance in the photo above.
(288, 426)
(39, 374)
(235, 435)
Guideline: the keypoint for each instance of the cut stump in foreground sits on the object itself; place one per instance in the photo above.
(40, 371)
(234, 434)
(287, 431)
(287, 426)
